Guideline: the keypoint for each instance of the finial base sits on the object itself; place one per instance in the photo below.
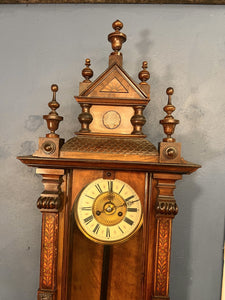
(170, 152)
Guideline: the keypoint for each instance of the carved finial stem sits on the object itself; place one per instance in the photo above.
(116, 38)
(87, 72)
(169, 123)
(144, 74)
(53, 118)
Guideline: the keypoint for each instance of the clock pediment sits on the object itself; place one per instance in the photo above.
(114, 83)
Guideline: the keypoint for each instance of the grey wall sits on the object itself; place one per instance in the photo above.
(185, 47)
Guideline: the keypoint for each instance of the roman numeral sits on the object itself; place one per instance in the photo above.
(98, 188)
(128, 221)
(110, 186)
(90, 197)
(132, 209)
(88, 219)
(96, 229)
(120, 229)
(86, 208)
(108, 232)
(127, 199)
(121, 188)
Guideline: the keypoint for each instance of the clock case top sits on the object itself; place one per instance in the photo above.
(111, 120)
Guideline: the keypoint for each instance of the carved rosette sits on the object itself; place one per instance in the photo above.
(166, 209)
(49, 204)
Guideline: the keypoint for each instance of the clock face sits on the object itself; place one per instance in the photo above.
(108, 211)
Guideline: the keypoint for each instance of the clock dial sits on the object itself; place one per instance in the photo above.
(108, 211)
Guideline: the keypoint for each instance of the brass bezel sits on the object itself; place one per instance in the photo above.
(87, 235)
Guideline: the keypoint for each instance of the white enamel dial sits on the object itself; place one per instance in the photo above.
(108, 211)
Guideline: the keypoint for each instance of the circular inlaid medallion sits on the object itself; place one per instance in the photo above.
(111, 119)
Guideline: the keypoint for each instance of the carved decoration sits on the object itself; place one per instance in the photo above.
(49, 202)
(51, 196)
(169, 123)
(53, 118)
(138, 146)
(138, 120)
(144, 74)
(85, 118)
(45, 296)
(87, 72)
(166, 209)
(114, 86)
(162, 278)
(49, 250)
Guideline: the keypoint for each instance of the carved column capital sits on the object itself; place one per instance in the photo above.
(166, 203)
(51, 196)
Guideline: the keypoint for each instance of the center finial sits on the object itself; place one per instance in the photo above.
(117, 38)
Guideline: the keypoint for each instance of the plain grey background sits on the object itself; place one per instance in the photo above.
(185, 48)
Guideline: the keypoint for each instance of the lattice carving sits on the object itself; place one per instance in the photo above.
(138, 146)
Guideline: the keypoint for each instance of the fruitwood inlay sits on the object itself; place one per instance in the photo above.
(49, 251)
(162, 270)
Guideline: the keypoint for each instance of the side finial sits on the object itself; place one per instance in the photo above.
(117, 38)
(87, 72)
(169, 123)
(53, 118)
(144, 74)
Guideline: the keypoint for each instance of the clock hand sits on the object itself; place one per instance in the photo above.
(131, 202)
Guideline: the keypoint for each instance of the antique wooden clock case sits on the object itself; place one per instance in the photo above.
(108, 204)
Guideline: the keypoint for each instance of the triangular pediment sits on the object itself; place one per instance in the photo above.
(114, 83)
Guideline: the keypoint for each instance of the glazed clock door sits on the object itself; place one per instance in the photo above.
(107, 212)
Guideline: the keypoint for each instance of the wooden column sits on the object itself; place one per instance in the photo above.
(166, 209)
(49, 204)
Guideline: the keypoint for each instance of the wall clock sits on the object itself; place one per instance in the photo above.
(108, 204)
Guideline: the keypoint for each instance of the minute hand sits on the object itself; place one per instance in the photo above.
(131, 202)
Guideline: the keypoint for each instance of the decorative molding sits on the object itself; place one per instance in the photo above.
(45, 296)
(51, 196)
(166, 208)
(49, 202)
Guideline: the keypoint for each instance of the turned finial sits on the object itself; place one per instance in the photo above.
(53, 118)
(144, 74)
(87, 72)
(169, 123)
(117, 38)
